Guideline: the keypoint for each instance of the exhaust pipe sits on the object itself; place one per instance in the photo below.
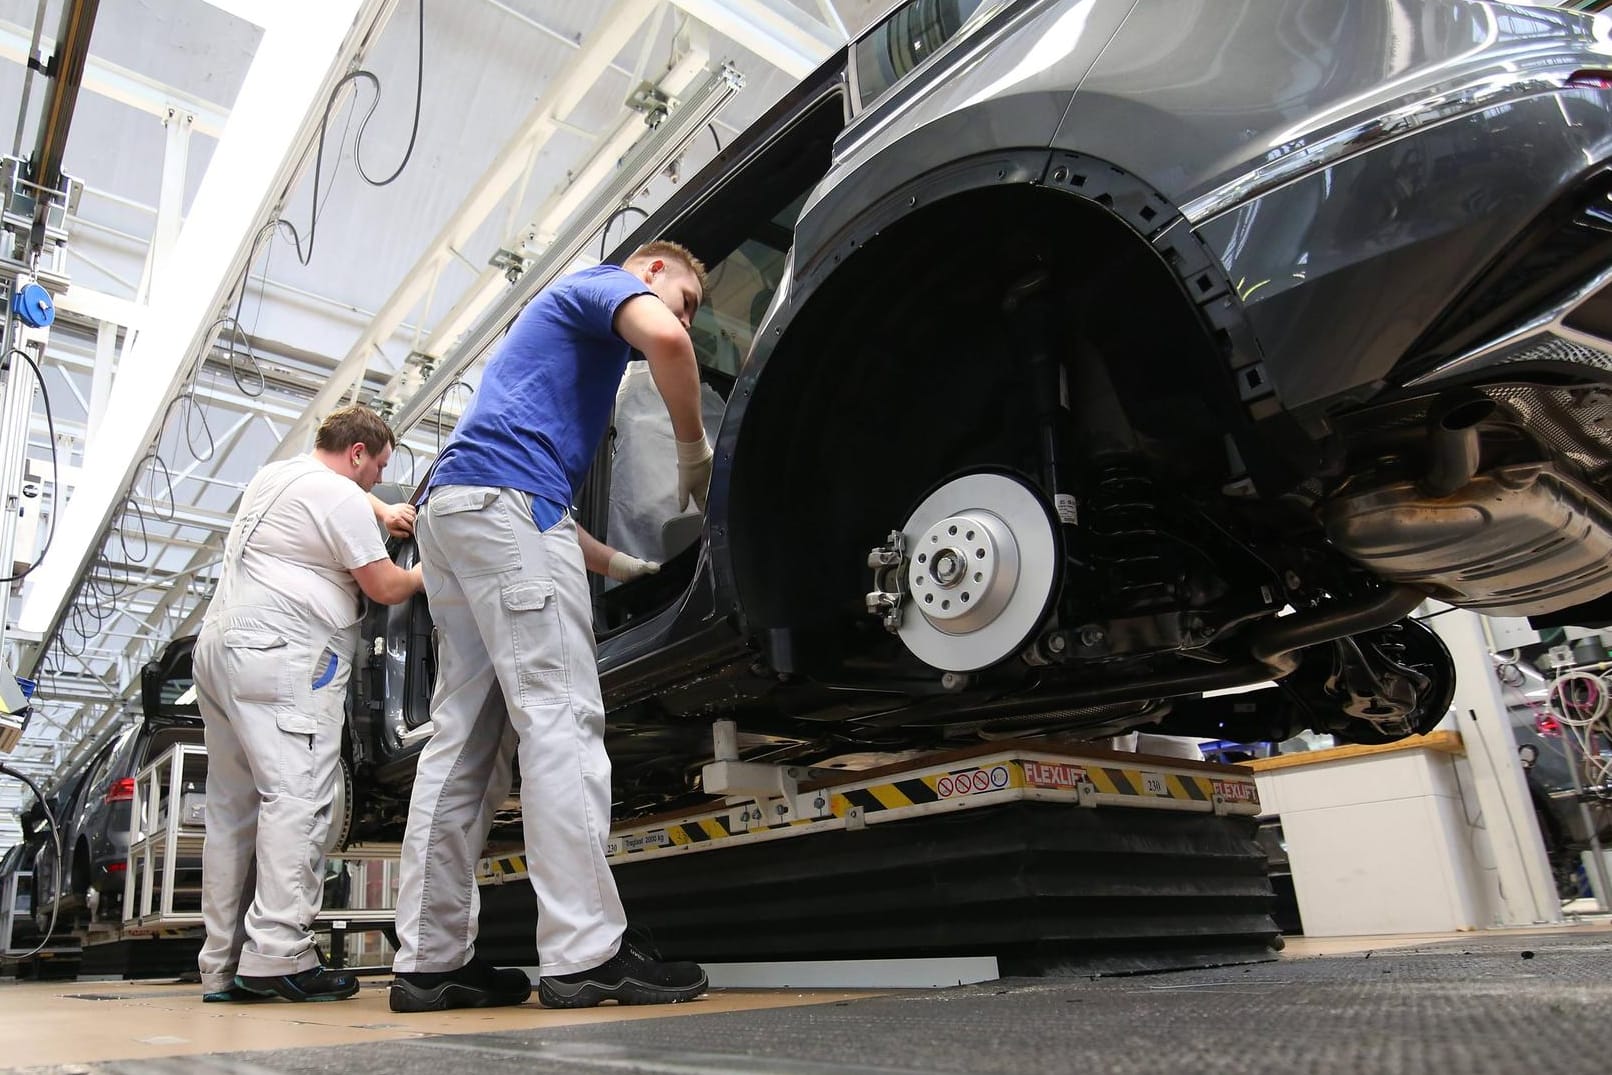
(1277, 645)
(1453, 450)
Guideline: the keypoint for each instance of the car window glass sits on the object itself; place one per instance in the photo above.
(104, 765)
(739, 289)
(177, 694)
(905, 40)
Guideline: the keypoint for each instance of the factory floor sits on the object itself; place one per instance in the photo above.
(1523, 1001)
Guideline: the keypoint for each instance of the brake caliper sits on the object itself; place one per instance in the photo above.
(889, 562)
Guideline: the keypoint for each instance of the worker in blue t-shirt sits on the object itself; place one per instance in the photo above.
(504, 573)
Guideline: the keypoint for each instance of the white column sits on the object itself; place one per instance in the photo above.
(171, 197)
(1521, 890)
(275, 117)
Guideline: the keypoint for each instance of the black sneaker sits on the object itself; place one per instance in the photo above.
(634, 975)
(315, 983)
(233, 994)
(477, 984)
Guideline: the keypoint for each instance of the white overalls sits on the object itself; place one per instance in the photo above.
(516, 660)
(271, 680)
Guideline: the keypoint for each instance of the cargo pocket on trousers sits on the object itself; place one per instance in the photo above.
(471, 529)
(537, 642)
(259, 666)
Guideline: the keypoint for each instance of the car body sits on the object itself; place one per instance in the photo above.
(97, 798)
(1185, 314)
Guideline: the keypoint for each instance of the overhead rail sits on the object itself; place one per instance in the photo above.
(646, 161)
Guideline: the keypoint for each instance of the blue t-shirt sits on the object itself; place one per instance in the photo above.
(546, 395)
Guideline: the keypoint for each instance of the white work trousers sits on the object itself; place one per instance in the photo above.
(515, 655)
(271, 696)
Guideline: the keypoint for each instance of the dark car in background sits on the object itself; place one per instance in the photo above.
(96, 813)
(1080, 358)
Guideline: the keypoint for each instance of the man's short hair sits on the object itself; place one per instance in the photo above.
(667, 250)
(352, 425)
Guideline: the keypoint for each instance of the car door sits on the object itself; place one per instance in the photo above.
(739, 218)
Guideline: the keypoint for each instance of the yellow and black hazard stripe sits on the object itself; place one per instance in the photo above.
(899, 793)
(701, 830)
(1109, 781)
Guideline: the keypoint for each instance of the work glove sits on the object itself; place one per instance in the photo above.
(624, 568)
(693, 473)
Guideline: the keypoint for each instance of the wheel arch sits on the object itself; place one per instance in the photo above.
(775, 445)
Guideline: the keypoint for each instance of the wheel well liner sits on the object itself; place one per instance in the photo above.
(830, 407)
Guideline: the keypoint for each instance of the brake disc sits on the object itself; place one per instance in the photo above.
(981, 570)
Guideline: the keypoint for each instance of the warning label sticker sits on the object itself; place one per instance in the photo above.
(972, 781)
(628, 842)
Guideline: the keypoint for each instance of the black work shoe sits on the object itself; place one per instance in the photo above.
(477, 984)
(315, 983)
(232, 994)
(634, 975)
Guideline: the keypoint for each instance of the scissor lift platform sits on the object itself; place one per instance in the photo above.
(1047, 856)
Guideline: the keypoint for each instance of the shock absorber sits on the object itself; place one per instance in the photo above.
(1027, 305)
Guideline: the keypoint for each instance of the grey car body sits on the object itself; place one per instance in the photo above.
(1246, 306)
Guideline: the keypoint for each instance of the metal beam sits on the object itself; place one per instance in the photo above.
(121, 84)
(616, 28)
(778, 32)
(277, 115)
(647, 160)
(558, 208)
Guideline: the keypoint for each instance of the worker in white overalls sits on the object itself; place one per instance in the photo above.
(271, 666)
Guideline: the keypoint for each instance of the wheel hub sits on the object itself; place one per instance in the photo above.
(963, 571)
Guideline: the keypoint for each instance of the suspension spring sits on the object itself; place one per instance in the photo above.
(1140, 567)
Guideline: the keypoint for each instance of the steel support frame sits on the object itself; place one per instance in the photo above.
(650, 156)
(270, 135)
(781, 34)
(562, 95)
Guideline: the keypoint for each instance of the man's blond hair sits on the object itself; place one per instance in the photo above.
(667, 250)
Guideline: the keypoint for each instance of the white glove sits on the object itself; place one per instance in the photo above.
(624, 568)
(693, 473)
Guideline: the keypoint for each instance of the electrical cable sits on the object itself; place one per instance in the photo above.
(56, 837)
(604, 233)
(233, 323)
(714, 136)
(123, 538)
(1581, 702)
(442, 399)
(304, 256)
(155, 457)
(55, 464)
(413, 461)
(192, 407)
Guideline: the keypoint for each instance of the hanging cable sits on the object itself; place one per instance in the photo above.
(456, 383)
(413, 460)
(604, 235)
(304, 256)
(154, 458)
(129, 503)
